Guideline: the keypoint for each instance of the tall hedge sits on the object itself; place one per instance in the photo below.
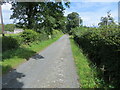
(29, 36)
(9, 43)
(103, 48)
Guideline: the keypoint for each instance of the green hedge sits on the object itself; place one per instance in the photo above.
(9, 27)
(102, 45)
(9, 43)
(56, 33)
(29, 36)
(26, 37)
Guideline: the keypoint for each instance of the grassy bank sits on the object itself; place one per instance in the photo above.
(13, 58)
(86, 72)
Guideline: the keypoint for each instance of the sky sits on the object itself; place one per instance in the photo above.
(89, 10)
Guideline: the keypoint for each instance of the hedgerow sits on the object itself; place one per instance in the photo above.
(26, 37)
(29, 36)
(102, 45)
(9, 43)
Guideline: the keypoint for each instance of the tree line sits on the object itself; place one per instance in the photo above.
(40, 16)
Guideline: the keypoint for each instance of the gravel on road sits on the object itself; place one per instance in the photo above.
(51, 68)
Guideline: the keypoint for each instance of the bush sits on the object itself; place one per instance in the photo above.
(9, 27)
(56, 33)
(42, 37)
(103, 48)
(29, 36)
(9, 43)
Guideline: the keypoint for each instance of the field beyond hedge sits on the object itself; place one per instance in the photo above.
(102, 46)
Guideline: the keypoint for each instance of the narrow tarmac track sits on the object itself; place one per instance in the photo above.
(52, 68)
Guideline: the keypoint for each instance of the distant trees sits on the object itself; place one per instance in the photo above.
(73, 20)
(9, 27)
(39, 15)
(108, 20)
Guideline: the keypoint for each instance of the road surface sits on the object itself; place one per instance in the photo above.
(51, 68)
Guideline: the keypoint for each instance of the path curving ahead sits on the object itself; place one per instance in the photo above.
(52, 68)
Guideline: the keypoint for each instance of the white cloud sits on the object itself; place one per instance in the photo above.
(91, 14)
(89, 18)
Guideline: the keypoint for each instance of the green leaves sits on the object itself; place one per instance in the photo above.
(29, 36)
(9, 43)
(9, 27)
(73, 20)
(102, 47)
(38, 15)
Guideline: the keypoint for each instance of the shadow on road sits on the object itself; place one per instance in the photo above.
(12, 80)
(37, 57)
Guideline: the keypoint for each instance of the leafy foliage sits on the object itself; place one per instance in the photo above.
(56, 33)
(9, 43)
(9, 27)
(29, 36)
(12, 58)
(34, 15)
(87, 73)
(73, 20)
(103, 49)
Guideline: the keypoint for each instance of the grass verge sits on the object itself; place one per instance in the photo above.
(87, 73)
(13, 58)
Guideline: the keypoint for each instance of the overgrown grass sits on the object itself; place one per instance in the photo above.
(86, 72)
(12, 35)
(16, 34)
(13, 58)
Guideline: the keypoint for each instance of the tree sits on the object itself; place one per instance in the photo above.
(53, 17)
(34, 15)
(105, 21)
(73, 20)
(25, 12)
